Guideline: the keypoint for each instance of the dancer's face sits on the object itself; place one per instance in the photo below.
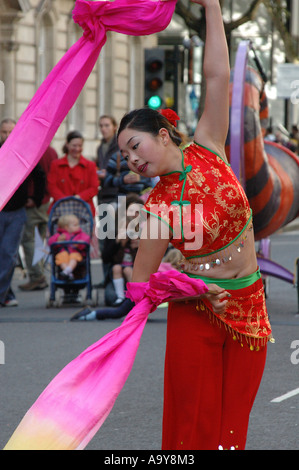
(143, 152)
(75, 148)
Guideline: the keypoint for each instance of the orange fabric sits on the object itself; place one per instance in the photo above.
(64, 257)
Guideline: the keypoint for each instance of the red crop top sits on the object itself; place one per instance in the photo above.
(204, 205)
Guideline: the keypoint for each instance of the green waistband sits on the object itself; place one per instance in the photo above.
(230, 284)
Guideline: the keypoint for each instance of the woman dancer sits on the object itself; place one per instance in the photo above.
(216, 344)
(211, 380)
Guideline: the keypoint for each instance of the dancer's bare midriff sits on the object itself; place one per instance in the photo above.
(238, 260)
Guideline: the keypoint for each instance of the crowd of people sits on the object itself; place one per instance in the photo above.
(281, 136)
(215, 355)
(97, 181)
(103, 180)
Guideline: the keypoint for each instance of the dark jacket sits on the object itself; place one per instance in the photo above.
(107, 194)
(19, 199)
(117, 168)
(102, 160)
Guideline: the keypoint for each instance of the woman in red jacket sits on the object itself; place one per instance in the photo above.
(73, 175)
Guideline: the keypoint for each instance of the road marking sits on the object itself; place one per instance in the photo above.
(290, 394)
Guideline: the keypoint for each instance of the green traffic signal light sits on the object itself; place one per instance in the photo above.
(154, 76)
(154, 102)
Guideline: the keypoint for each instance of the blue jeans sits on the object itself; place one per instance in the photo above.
(11, 231)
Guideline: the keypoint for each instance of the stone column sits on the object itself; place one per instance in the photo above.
(10, 13)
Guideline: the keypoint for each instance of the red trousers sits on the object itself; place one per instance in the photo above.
(210, 383)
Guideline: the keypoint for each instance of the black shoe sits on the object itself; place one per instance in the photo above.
(118, 302)
(66, 277)
(81, 314)
(101, 285)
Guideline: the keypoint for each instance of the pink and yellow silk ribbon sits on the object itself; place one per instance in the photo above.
(75, 404)
(55, 97)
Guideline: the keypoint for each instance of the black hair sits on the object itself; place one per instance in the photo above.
(71, 135)
(151, 121)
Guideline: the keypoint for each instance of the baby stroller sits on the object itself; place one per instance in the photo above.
(64, 292)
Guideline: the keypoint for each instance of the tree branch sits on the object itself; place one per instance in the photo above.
(278, 14)
(247, 16)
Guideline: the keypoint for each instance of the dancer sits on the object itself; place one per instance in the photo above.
(216, 345)
(201, 358)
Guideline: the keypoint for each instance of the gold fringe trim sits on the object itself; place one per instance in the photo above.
(254, 344)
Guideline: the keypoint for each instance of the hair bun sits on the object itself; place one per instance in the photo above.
(170, 115)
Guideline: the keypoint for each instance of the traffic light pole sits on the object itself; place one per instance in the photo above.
(176, 60)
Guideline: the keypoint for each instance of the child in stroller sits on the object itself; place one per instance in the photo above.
(69, 256)
(70, 230)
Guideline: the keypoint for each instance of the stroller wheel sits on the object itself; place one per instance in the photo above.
(49, 303)
(95, 298)
(93, 301)
(57, 302)
(59, 296)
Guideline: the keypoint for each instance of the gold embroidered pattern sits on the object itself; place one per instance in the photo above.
(207, 180)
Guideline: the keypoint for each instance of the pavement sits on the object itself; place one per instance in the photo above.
(39, 342)
(32, 305)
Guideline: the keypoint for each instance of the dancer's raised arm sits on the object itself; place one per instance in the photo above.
(213, 126)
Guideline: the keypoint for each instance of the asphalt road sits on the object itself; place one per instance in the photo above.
(39, 342)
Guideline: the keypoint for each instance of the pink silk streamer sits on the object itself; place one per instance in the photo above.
(76, 403)
(55, 97)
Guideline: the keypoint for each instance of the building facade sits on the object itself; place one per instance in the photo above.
(34, 35)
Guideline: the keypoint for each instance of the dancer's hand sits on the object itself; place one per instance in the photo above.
(217, 297)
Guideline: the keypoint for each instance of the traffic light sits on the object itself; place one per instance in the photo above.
(154, 75)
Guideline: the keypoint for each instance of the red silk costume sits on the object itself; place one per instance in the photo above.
(206, 197)
(205, 180)
(211, 376)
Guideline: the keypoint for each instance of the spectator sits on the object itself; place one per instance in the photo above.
(37, 217)
(119, 176)
(122, 273)
(12, 221)
(6, 127)
(270, 136)
(69, 255)
(73, 175)
(108, 147)
(294, 136)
